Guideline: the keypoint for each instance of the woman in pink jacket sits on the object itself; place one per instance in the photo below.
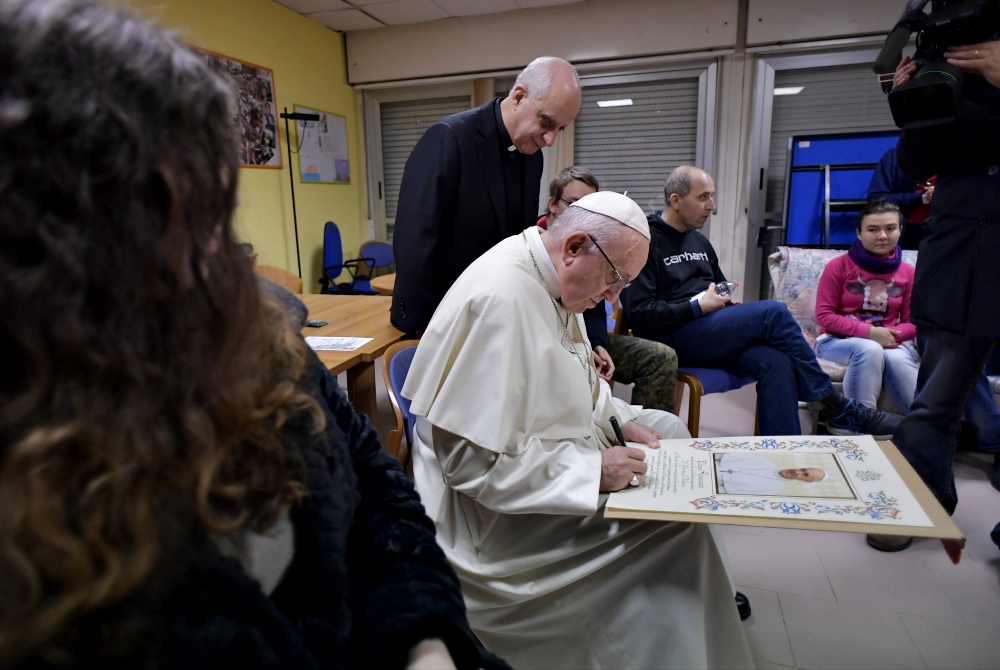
(863, 309)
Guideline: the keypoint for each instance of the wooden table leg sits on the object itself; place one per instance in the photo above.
(953, 549)
(361, 389)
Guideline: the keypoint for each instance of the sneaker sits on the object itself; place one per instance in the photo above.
(888, 542)
(862, 420)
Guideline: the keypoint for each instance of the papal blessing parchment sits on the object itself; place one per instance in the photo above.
(816, 478)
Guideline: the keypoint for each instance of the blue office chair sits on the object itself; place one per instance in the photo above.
(395, 364)
(334, 263)
(376, 256)
(700, 381)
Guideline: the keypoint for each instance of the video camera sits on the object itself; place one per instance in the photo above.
(934, 94)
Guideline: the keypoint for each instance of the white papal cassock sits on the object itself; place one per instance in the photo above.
(507, 462)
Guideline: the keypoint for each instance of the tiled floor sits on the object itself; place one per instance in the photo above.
(827, 600)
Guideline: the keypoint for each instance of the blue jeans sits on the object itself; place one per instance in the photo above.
(950, 366)
(981, 408)
(760, 340)
(868, 364)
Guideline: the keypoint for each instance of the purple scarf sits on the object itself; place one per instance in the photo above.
(871, 263)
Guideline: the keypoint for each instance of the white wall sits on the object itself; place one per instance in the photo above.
(599, 30)
(594, 30)
(784, 21)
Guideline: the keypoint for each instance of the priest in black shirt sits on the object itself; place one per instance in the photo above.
(472, 180)
(674, 301)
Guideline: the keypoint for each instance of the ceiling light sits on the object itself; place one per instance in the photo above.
(790, 90)
(615, 103)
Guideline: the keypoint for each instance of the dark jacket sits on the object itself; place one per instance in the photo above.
(680, 265)
(366, 583)
(452, 210)
(958, 272)
(595, 320)
(890, 183)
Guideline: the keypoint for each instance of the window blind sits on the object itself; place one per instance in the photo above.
(633, 148)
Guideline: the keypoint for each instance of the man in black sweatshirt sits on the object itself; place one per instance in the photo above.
(674, 301)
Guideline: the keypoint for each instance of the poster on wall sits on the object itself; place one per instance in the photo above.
(323, 148)
(255, 114)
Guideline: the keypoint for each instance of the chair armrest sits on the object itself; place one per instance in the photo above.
(394, 443)
(774, 268)
(694, 400)
(363, 266)
(353, 266)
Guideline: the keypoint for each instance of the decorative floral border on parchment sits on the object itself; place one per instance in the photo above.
(850, 450)
(880, 506)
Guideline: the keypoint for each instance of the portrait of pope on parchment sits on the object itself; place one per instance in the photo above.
(792, 475)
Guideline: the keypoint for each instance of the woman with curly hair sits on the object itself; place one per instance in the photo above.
(181, 481)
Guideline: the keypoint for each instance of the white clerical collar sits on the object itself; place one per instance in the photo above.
(546, 266)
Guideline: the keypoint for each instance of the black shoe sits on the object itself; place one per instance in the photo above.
(995, 479)
(888, 543)
(743, 606)
(857, 418)
(995, 535)
(967, 440)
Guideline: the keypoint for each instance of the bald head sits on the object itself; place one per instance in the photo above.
(544, 100)
(689, 194)
(545, 74)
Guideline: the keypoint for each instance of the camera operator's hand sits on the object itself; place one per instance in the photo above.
(904, 71)
(712, 301)
(884, 336)
(982, 59)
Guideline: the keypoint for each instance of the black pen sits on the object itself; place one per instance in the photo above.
(618, 430)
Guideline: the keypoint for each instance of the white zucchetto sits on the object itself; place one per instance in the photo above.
(619, 207)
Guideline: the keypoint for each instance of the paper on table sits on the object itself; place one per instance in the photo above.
(337, 343)
(854, 481)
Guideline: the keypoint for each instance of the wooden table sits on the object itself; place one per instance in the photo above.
(354, 316)
(384, 284)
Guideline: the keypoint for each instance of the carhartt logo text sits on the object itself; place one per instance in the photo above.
(684, 257)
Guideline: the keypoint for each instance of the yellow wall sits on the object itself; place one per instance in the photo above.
(308, 64)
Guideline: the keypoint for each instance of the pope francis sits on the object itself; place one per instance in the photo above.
(513, 449)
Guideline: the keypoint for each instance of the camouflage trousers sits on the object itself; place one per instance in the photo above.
(651, 366)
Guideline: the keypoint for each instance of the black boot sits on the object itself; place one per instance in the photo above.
(967, 440)
(888, 543)
(995, 479)
(743, 606)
